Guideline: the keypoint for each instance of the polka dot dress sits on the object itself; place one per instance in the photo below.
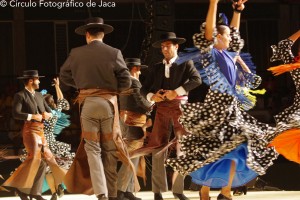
(290, 117)
(218, 126)
(61, 150)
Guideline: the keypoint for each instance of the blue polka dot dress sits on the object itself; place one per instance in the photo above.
(221, 131)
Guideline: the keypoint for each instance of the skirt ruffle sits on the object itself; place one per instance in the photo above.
(288, 144)
(216, 174)
(219, 127)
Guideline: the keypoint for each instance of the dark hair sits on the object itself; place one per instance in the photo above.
(26, 80)
(94, 31)
(221, 29)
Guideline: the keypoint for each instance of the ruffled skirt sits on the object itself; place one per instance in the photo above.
(222, 132)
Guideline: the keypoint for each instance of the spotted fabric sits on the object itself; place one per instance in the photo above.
(205, 45)
(62, 151)
(219, 125)
(283, 51)
(289, 117)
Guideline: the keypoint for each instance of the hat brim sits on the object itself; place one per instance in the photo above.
(157, 44)
(142, 66)
(29, 77)
(81, 30)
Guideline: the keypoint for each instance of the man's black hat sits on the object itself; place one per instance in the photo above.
(94, 22)
(168, 36)
(30, 74)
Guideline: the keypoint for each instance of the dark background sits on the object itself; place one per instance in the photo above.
(41, 38)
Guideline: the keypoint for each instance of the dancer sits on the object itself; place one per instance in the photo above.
(53, 127)
(29, 105)
(167, 84)
(133, 110)
(224, 149)
(286, 138)
(99, 72)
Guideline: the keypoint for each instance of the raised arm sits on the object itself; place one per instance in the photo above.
(211, 19)
(57, 88)
(238, 7)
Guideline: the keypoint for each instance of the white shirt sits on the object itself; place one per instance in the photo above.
(180, 90)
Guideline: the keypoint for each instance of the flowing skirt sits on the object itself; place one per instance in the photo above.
(222, 132)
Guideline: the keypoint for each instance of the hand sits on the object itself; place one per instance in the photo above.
(239, 5)
(170, 94)
(158, 96)
(56, 82)
(37, 117)
(47, 115)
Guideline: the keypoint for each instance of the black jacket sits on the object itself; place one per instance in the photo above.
(24, 103)
(184, 74)
(96, 65)
(134, 101)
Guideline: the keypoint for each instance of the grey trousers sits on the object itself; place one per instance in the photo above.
(125, 176)
(159, 176)
(97, 115)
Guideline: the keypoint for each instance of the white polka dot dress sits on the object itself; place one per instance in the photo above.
(218, 127)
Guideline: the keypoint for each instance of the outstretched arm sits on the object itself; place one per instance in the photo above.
(295, 36)
(238, 7)
(211, 19)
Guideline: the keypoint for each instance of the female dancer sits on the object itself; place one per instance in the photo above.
(286, 140)
(53, 127)
(225, 149)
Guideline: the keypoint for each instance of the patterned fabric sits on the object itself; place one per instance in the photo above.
(283, 51)
(62, 151)
(211, 73)
(219, 126)
(289, 118)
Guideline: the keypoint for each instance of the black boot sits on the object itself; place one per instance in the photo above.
(222, 197)
(22, 195)
(102, 197)
(54, 196)
(130, 196)
(158, 196)
(180, 196)
(120, 195)
(60, 191)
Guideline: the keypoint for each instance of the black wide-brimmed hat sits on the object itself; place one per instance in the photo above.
(30, 74)
(94, 22)
(131, 62)
(168, 36)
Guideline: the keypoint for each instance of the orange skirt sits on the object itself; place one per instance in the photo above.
(288, 144)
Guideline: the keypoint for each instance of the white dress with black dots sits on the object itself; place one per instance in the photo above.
(221, 132)
(287, 137)
(62, 151)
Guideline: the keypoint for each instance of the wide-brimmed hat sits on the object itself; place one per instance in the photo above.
(131, 62)
(30, 74)
(168, 36)
(94, 22)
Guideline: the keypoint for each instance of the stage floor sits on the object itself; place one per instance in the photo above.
(251, 195)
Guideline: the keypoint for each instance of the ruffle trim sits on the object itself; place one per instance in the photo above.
(280, 69)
